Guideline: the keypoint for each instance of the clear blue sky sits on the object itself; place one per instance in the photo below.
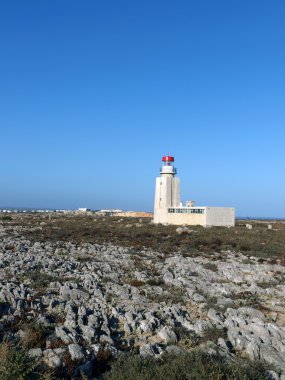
(94, 92)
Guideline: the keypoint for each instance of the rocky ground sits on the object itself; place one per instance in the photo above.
(72, 303)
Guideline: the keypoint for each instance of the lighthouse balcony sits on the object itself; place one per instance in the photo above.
(168, 169)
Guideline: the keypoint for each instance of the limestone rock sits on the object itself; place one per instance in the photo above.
(167, 336)
(51, 359)
(75, 351)
(35, 353)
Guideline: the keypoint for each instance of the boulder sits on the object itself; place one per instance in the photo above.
(167, 336)
(150, 350)
(75, 351)
(182, 230)
(168, 277)
(51, 359)
(35, 353)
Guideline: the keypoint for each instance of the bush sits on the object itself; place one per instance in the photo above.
(267, 284)
(15, 363)
(40, 280)
(213, 334)
(155, 282)
(34, 335)
(6, 218)
(186, 338)
(136, 283)
(247, 299)
(211, 266)
(192, 365)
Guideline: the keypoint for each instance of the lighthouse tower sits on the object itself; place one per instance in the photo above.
(169, 209)
(167, 190)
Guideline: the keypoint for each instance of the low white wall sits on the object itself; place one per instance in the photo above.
(214, 216)
(188, 219)
(220, 216)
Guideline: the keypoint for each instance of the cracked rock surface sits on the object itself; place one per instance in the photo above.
(93, 298)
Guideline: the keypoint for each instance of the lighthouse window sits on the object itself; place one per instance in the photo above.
(186, 210)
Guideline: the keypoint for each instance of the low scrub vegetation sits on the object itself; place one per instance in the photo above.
(192, 365)
(186, 338)
(259, 241)
(6, 218)
(211, 266)
(34, 335)
(247, 299)
(15, 363)
(213, 334)
(40, 280)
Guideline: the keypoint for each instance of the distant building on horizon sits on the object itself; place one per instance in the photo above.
(168, 207)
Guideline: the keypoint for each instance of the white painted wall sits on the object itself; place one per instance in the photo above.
(213, 216)
(187, 219)
(220, 216)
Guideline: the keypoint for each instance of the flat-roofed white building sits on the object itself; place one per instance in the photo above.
(169, 209)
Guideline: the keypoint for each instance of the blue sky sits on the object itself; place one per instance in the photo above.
(94, 93)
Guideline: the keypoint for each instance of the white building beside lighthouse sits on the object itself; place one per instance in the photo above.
(169, 209)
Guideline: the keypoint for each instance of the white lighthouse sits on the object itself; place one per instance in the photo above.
(167, 190)
(169, 209)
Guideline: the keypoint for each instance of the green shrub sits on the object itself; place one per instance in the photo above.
(6, 218)
(192, 365)
(186, 338)
(15, 364)
(155, 282)
(247, 299)
(266, 284)
(34, 335)
(40, 280)
(136, 283)
(171, 295)
(213, 334)
(211, 266)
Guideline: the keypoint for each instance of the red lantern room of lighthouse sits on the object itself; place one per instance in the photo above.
(168, 166)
